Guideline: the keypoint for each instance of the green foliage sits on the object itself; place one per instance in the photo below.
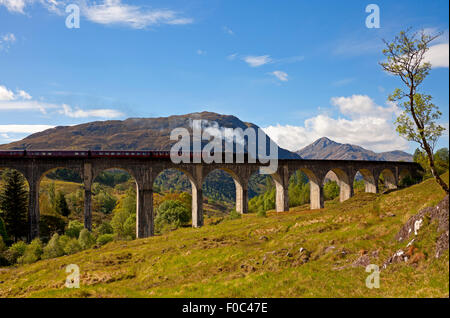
(86, 239)
(74, 228)
(441, 161)
(359, 186)
(50, 224)
(405, 58)
(15, 251)
(33, 252)
(104, 201)
(13, 204)
(331, 190)
(104, 239)
(172, 213)
(72, 246)
(75, 201)
(261, 212)
(2, 245)
(61, 206)
(3, 233)
(64, 175)
(124, 215)
(53, 248)
(234, 215)
(111, 178)
(104, 228)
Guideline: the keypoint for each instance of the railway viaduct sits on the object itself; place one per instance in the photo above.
(145, 170)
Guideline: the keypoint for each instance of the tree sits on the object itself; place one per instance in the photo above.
(406, 60)
(61, 206)
(13, 205)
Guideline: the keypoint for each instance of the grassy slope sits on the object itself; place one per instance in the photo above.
(257, 257)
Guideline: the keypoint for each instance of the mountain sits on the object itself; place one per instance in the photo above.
(325, 148)
(129, 134)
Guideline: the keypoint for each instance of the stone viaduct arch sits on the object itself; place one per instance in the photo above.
(145, 171)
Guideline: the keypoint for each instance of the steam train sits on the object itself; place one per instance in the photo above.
(85, 154)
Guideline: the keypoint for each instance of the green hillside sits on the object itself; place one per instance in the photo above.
(301, 253)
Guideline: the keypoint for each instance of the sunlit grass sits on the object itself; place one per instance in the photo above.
(257, 257)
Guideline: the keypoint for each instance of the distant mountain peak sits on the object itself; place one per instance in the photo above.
(325, 148)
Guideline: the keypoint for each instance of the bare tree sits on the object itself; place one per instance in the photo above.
(406, 56)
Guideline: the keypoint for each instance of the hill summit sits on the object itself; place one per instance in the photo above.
(129, 134)
(325, 148)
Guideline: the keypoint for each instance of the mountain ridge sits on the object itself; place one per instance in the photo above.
(325, 148)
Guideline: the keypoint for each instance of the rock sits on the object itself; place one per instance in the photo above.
(263, 238)
(329, 249)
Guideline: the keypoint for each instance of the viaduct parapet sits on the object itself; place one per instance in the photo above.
(145, 171)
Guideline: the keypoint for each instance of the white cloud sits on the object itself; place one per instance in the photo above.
(282, 76)
(22, 101)
(201, 52)
(255, 61)
(369, 125)
(116, 12)
(23, 129)
(15, 5)
(80, 113)
(5, 94)
(438, 55)
(106, 12)
(227, 30)
(6, 40)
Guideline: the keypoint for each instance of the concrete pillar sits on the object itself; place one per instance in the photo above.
(281, 198)
(316, 195)
(371, 186)
(241, 198)
(197, 206)
(33, 209)
(144, 213)
(87, 184)
(346, 191)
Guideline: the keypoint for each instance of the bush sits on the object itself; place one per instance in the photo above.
(105, 238)
(104, 228)
(15, 251)
(2, 245)
(261, 212)
(74, 228)
(124, 224)
(234, 215)
(86, 239)
(50, 224)
(53, 248)
(72, 246)
(331, 190)
(32, 253)
(172, 214)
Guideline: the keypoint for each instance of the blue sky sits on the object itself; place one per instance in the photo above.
(299, 69)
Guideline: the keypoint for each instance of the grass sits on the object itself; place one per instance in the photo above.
(258, 257)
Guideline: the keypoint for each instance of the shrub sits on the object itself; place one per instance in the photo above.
(105, 228)
(15, 251)
(50, 224)
(234, 215)
(53, 248)
(72, 246)
(172, 214)
(86, 239)
(32, 253)
(331, 190)
(105, 238)
(261, 212)
(74, 228)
